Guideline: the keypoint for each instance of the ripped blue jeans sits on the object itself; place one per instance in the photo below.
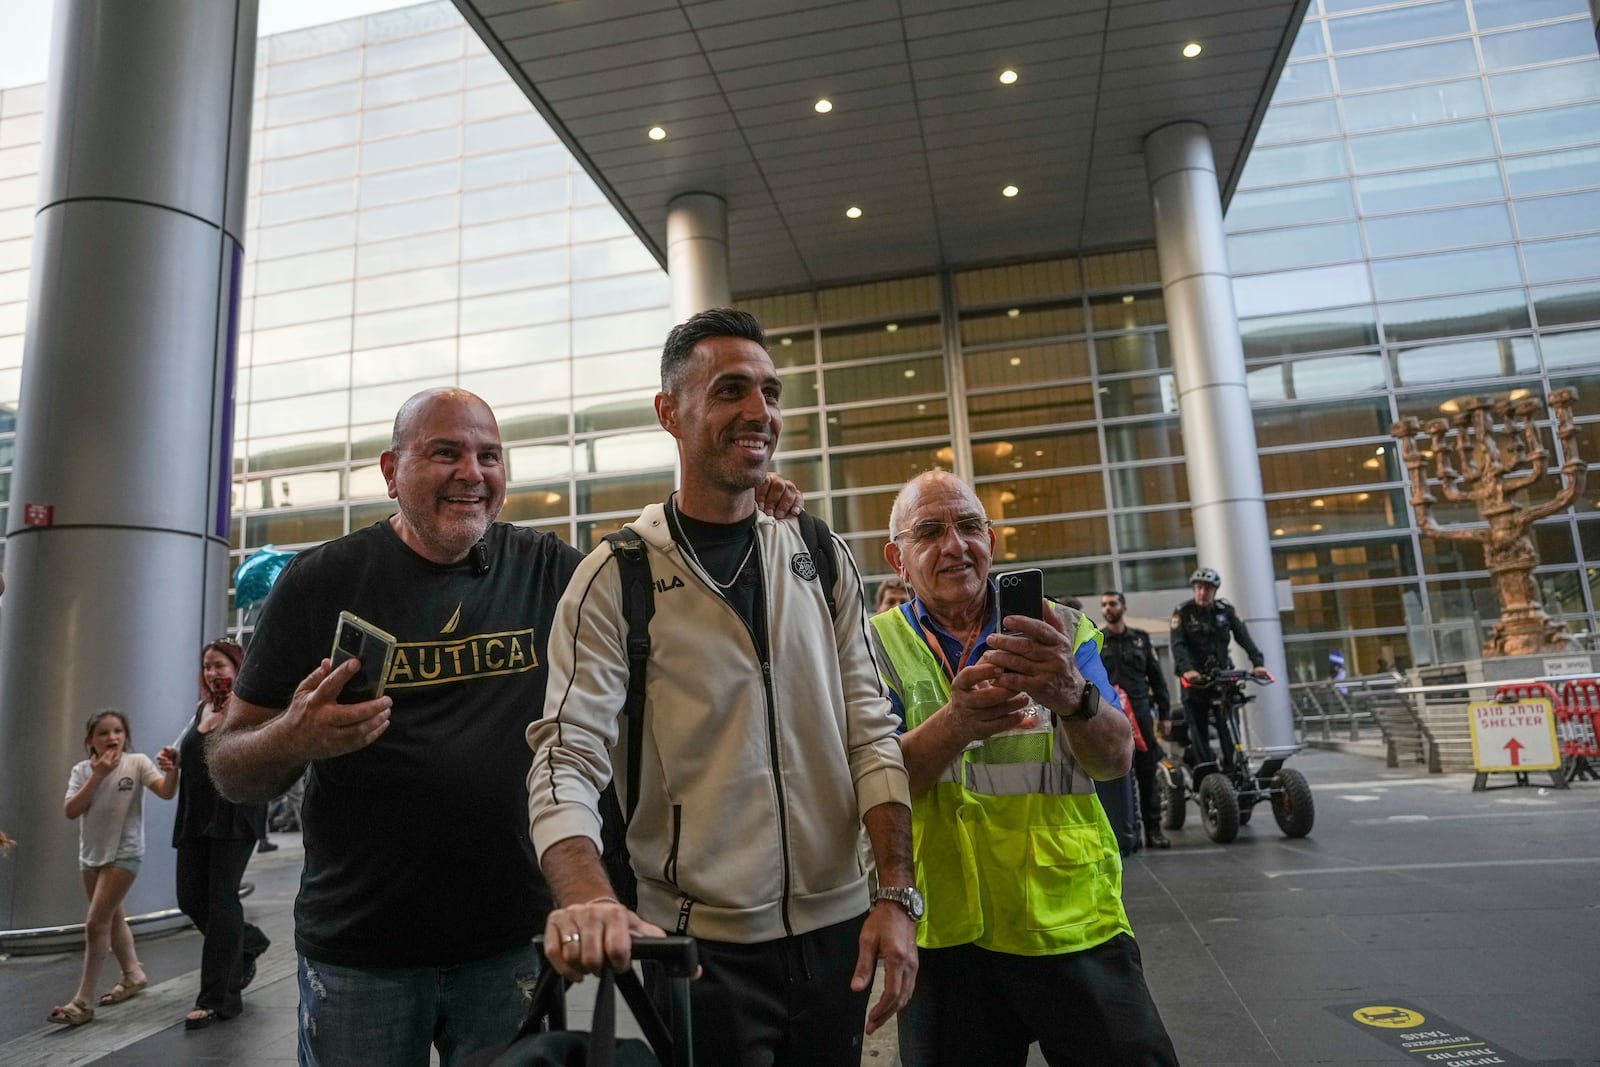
(389, 1016)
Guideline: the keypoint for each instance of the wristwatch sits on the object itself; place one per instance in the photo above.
(904, 895)
(1088, 704)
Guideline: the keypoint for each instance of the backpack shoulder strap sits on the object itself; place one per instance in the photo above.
(819, 543)
(638, 605)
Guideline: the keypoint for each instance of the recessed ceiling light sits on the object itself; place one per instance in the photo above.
(852, 212)
(1016, 361)
(1191, 49)
(823, 106)
(1010, 190)
(1013, 313)
(1127, 298)
(1316, 527)
(1008, 77)
(892, 327)
(910, 372)
(657, 133)
(1278, 532)
(787, 341)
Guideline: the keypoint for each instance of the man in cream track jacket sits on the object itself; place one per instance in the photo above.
(767, 742)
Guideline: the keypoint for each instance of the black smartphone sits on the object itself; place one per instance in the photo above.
(358, 639)
(1021, 593)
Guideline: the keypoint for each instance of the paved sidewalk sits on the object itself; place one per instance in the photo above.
(1480, 909)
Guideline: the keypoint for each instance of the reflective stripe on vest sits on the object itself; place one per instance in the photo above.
(1015, 857)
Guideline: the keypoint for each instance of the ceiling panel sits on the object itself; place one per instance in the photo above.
(922, 134)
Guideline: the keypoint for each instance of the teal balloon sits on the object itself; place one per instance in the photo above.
(254, 577)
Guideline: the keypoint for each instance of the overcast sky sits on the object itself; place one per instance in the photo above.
(25, 40)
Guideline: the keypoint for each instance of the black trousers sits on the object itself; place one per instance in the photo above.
(784, 1003)
(208, 875)
(1085, 1009)
(1144, 765)
(1200, 709)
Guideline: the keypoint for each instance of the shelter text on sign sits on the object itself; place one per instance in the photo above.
(1514, 736)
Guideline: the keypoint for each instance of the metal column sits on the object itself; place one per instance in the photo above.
(117, 535)
(697, 254)
(1219, 439)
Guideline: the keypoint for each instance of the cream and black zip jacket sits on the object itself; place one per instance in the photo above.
(754, 774)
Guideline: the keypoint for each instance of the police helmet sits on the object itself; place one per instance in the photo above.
(1207, 576)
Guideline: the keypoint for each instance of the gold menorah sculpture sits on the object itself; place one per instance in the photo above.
(1489, 453)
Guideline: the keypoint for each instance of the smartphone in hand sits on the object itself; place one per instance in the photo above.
(358, 639)
(1021, 593)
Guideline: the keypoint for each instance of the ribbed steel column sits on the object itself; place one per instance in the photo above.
(697, 254)
(1219, 439)
(116, 555)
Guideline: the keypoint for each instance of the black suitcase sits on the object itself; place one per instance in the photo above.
(543, 1039)
(1120, 798)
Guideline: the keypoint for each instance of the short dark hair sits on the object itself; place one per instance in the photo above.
(718, 322)
(1116, 593)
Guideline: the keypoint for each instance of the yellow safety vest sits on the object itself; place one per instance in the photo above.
(1012, 850)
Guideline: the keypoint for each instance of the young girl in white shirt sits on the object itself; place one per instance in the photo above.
(105, 792)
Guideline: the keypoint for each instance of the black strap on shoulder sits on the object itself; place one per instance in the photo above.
(638, 605)
(819, 543)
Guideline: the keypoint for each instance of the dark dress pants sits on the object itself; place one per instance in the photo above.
(208, 875)
(1144, 766)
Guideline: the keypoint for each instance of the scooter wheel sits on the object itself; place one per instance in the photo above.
(1219, 808)
(1292, 805)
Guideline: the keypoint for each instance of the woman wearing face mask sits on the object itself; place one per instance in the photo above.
(214, 838)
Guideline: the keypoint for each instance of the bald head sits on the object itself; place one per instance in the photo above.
(412, 411)
(944, 482)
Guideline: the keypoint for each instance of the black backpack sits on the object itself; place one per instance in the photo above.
(638, 605)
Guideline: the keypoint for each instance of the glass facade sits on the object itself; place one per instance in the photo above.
(1420, 218)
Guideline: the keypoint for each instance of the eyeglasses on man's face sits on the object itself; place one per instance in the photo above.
(930, 531)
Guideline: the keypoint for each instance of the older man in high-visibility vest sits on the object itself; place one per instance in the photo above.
(1007, 725)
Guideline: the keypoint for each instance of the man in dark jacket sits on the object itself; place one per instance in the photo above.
(1201, 628)
(1133, 667)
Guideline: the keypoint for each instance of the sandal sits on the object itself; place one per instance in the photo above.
(72, 1013)
(123, 990)
(201, 1021)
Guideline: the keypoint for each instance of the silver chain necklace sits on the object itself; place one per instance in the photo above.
(689, 549)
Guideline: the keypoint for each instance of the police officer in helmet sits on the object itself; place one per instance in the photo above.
(1201, 628)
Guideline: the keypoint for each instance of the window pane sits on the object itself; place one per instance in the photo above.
(1499, 357)
(1331, 467)
(891, 468)
(1558, 305)
(1550, 261)
(1165, 483)
(1580, 349)
(1553, 172)
(1337, 513)
(1367, 607)
(885, 339)
(1024, 366)
(1554, 216)
(1058, 494)
(1299, 122)
(1123, 353)
(1422, 147)
(880, 422)
(1420, 189)
(1308, 42)
(1492, 14)
(1315, 379)
(1302, 81)
(1271, 294)
(1031, 407)
(1537, 44)
(1258, 209)
(1567, 83)
(1022, 323)
(1282, 335)
(1428, 230)
(1296, 424)
(1129, 311)
(1167, 572)
(1452, 272)
(1155, 394)
(1418, 106)
(1348, 561)
(1145, 440)
(1450, 316)
(286, 108)
(286, 529)
(1375, 70)
(1549, 129)
(1039, 452)
(1295, 162)
(884, 380)
(1392, 27)
(1300, 247)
